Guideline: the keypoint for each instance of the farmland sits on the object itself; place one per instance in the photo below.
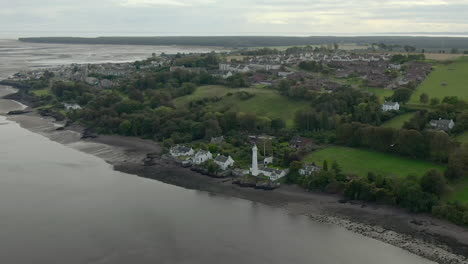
(445, 80)
(360, 162)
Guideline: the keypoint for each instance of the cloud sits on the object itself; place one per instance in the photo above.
(234, 17)
(174, 3)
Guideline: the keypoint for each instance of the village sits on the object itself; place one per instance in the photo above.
(334, 69)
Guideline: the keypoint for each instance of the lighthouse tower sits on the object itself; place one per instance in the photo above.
(254, 169)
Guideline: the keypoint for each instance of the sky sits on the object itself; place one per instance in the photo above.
(21, 18)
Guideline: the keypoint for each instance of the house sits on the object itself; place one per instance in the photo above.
(308, 169)
(389, 106)
(442, 124)
(224, 162)
(298, 142)
(217, 140)
(180, 150)
(69, 107)
(201, 156)
(271, 173)
(284, 74)
(267, 160)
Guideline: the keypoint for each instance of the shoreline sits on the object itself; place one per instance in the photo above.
(428, 237)
(431, 238)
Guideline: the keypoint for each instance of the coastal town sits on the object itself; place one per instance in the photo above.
(300, 117)
(304, 69)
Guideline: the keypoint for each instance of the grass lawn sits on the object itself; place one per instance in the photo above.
(270, 104)
(463, 138)
(203, 92)
(453, 74)
(360, 162)
(398, 121)
(41, 92)
(266, 102)
(459, 192)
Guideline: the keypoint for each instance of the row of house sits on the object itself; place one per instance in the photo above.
(189, 156)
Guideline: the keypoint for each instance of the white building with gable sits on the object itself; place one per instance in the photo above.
(201, 156)
(389, 106)
(224, 162)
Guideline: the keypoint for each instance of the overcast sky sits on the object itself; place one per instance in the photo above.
(230, 17)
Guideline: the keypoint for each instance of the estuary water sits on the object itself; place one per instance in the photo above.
(59, 205)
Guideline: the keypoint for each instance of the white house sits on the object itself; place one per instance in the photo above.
(272, 174)
(201, 156)
(389, 106)
(180, 150)
(224, 162)
(71, 106)
(217, 140)
(268, 160)
(308, 169)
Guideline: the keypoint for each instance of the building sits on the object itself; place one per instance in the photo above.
(271, 173)
(442, 124)
(201, 156)
(390, 106)
(298, 142)
(308, 169)
(69, 107)
(224, 162)
(267, 160)
(254, 168)
(180, 150)
(217, 140)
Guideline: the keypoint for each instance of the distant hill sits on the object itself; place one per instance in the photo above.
(272, 41)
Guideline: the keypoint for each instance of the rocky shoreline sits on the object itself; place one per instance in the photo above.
(422, 235)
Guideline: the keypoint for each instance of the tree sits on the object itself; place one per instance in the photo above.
(336, 167)
(433, 182)
(295, 166)
(458, 164)
(434, 101)
(325, 165)
(424, 98)
(402, 95)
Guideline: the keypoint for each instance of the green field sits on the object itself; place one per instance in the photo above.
(41, 92)
(463, 138)
(266, 102)
(453, 74)
(204, 92)
(398, 121)
(360, 162)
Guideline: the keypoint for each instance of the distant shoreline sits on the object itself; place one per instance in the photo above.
(421, 42)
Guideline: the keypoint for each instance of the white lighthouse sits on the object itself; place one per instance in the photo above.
(254, 169)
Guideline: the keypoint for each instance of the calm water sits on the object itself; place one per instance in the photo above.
(59, 205)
